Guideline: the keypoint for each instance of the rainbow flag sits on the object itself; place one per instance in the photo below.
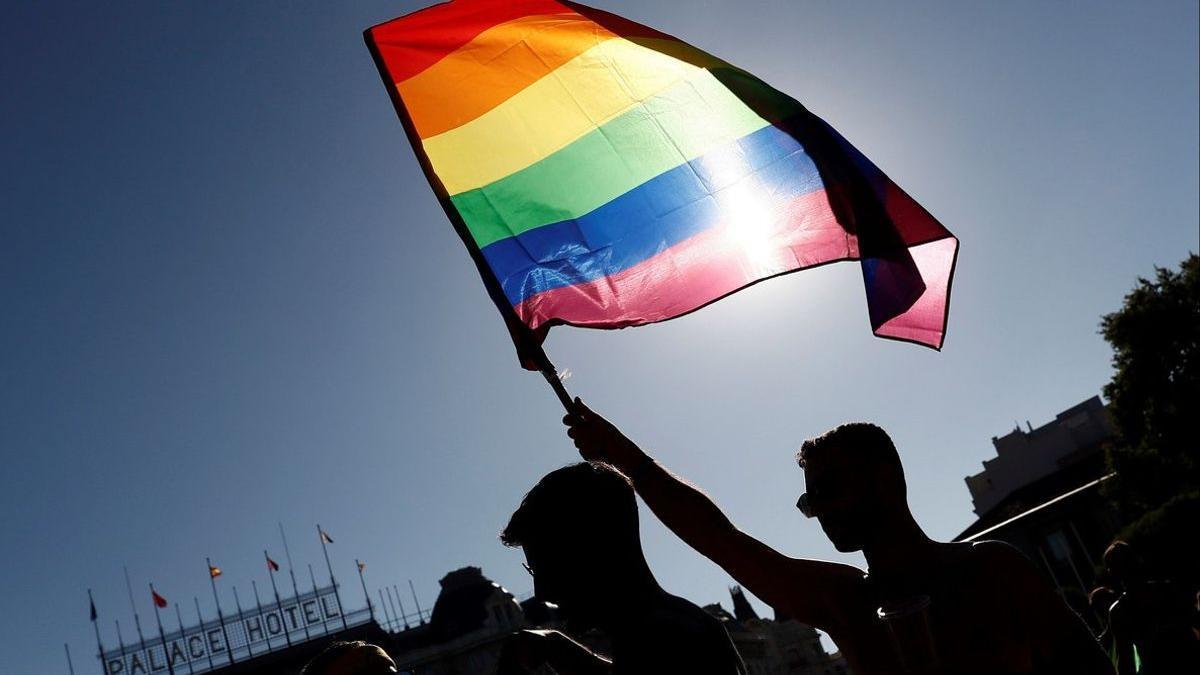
(604, 174)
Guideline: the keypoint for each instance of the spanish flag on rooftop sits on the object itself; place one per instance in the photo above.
(604, 174)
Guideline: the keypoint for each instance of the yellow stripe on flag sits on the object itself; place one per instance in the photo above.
(587, 91)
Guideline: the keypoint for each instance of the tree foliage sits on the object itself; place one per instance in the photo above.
(1154, 394)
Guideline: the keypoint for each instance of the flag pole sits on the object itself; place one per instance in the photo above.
(287, 635)
(179, 617)
(313, 578)
(238, 603)
(200, 618)
(292, 572)
(387, 616)
(529, 347)
(162, 634)
(420, 617)
(120, 641)
(337, 596)
(397, 614)
(399, 601)
(137, 622)
(96, 626)
(220, 615)
(549, 372)
(259, 613)
(70, 666)
(363, 581)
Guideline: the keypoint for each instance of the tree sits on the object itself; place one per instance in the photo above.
(1154, 395)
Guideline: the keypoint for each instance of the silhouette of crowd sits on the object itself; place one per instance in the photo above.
(920, 606)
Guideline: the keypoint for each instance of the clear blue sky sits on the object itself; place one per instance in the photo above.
(229, 297)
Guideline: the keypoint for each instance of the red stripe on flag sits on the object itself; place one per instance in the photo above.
(416, 41)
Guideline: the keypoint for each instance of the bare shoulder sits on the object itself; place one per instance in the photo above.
(998, 557)
(1012, 577)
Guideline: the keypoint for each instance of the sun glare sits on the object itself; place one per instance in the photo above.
(748, 222)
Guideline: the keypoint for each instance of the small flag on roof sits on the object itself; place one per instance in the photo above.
(159, 601)
(605, 174)
(214, 571)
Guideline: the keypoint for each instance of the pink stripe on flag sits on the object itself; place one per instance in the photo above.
(925, 321)
(697, 271)
(731, 256)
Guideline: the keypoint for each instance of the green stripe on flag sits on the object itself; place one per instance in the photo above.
(674, 127)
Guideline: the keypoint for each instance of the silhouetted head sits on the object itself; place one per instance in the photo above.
(351, 658)
(579, 529)
(854, 482)
(1122, 562)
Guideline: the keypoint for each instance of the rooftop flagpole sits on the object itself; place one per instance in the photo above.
(292, 572)
(70, 666)
(272, 566)
(324, 621)
(326, 539)
(137, 622)
(96, 626)
(420, 617)
(200, 618)
(120, 641)
(399, 601)
(259, 614)
(162, 634)
(386, 614)
(398, 614)
(179, 618)
(238, 603)
(370, 606)
(212, 577)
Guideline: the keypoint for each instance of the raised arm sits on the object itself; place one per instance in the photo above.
(806, 590)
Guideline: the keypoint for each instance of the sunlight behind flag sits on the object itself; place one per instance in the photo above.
(604, 174)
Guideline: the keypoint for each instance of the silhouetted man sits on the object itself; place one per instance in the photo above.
(351, 658)
(1151, 623)
(578, 528)
(923, 606)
